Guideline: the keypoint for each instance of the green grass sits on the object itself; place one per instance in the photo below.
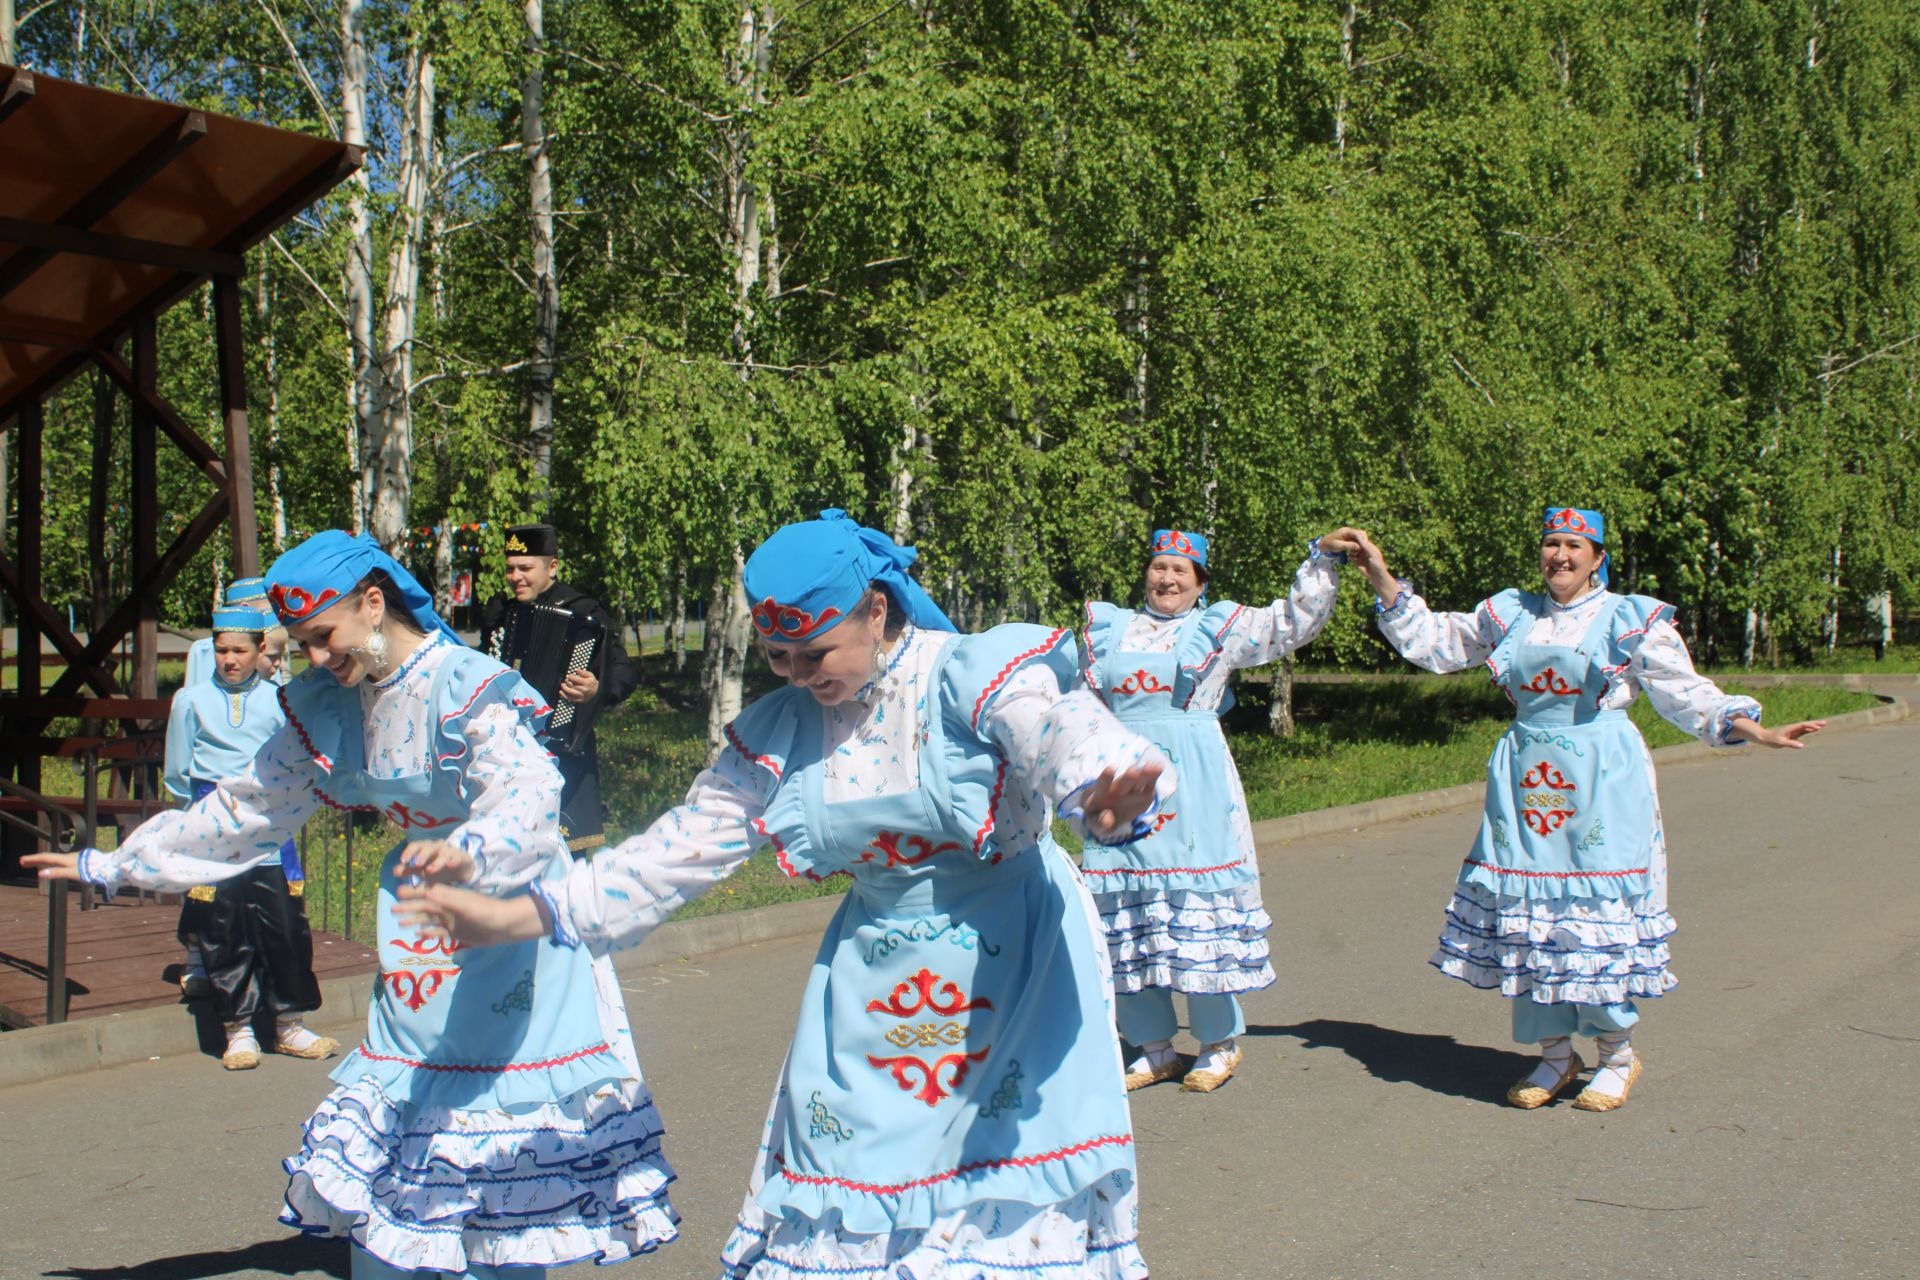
(1846, 659)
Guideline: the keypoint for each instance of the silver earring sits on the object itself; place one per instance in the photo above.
(375, 649)
(1593, 579)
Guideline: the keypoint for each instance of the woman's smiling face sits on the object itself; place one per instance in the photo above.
(1173, 584)
(1567, 561)
(837, 663)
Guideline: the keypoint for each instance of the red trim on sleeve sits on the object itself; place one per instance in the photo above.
(1019, 660)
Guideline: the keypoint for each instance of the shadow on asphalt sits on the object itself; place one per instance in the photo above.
(288, 1256)
(1437, 1063)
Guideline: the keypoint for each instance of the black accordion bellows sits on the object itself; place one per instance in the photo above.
(546, 645)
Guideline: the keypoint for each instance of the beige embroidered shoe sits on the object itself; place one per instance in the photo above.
(1153, 1066)
(1527, 1095)
(1592, 1099)
(1213, 1068)
(242, 1054)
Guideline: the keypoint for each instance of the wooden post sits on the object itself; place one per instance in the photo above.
(27, 546)
(145, 501)
(244, 521)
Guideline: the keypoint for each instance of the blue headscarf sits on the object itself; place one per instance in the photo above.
(240, 618)
(806, 579)
(324, 569)
(1590, 525)
(246, 591)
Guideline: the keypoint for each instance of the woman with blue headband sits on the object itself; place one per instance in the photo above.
(1562, 904)
(494, 1122)
(952, 1103)
(1181, 907)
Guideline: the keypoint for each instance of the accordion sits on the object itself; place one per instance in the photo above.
(546, 645)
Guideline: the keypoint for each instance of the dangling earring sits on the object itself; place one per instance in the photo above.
(1593, 579)
(375, 649)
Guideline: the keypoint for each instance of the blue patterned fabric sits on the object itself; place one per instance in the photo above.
(240, 618)
(808, 577)
(1176, 542)
(246, 590)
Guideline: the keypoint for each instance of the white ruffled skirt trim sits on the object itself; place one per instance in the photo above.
(1557, 950)
(440, 1189)
(1186, 940)
(1091, 1236)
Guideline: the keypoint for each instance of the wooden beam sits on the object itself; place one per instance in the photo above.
(323, 178)
(106, 195)
(145, 503)
(54, 238)
(230, 339)
(165, 570)
(14, 582)
(18, 93)
(168, 417)
(45, 333)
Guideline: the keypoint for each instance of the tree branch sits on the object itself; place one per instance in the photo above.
(1831, 374)
(300, 67)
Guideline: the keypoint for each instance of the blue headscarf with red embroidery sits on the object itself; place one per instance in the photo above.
(808, 577)
(325, 569)
(1176, 542)
(1590, 525)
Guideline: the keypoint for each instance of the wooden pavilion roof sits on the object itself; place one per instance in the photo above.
(113, 206)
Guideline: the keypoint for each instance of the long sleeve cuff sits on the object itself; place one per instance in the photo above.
(1723, 721)
(1389, 608)
(1315, 553)
(556, 919)
(1074, 809)
(98, 870)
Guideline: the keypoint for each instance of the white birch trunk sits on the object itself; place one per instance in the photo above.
(393, 397)
(1880, 610)
(546, 283)
(359, 268)
(1347, 20)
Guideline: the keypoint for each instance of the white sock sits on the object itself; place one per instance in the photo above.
(1555, 1056)
(1616, 1060)
(240, 1036)
(293, 1033)
(1153, 1056)
(1217, 1056)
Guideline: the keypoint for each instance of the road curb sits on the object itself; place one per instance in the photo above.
(89, 1044)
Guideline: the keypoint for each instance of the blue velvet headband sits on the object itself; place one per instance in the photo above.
(324, 569)
(246, 591)
(808, 577)
(1174, 542)
(240, 618)
(1590, 525)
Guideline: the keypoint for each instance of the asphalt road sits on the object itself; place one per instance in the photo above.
(1772, 1134)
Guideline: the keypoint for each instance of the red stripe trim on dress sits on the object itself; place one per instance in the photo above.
(1610, 674)
(1164, 871)
(1199, 669)
(1487, 604)
(993, 806)
(765, 762)
(1090, 658)
(455, 715)
(331, 803)
(780, 853)
(319, 756)
(1010, 668)
(1555, 875)
(1012, 1162)
(512, 1066)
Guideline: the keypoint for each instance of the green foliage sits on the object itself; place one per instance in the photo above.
(1038, 276)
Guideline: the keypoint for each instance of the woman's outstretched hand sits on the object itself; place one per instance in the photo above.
(436, 862)
(1117, 798)
(1344, 540)
(446, 913)
(1743, 729)
(54, 866)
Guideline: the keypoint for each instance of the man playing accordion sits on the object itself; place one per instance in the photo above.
(532, 563)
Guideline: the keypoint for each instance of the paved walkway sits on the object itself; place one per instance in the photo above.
(1772, 1134)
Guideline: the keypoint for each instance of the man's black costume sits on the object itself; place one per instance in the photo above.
(582, 814)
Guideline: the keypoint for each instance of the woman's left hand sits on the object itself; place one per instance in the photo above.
(442, 913)
(1118, 798)
(1342, 541)
(1746, 730)
(435, 862)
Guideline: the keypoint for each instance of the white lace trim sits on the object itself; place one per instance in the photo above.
(1092, 1236)
(1557, 950)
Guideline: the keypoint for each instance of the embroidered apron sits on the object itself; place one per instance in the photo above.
(1193, 846)
(1569, 807)
(456, 1026)
(942, 1053)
